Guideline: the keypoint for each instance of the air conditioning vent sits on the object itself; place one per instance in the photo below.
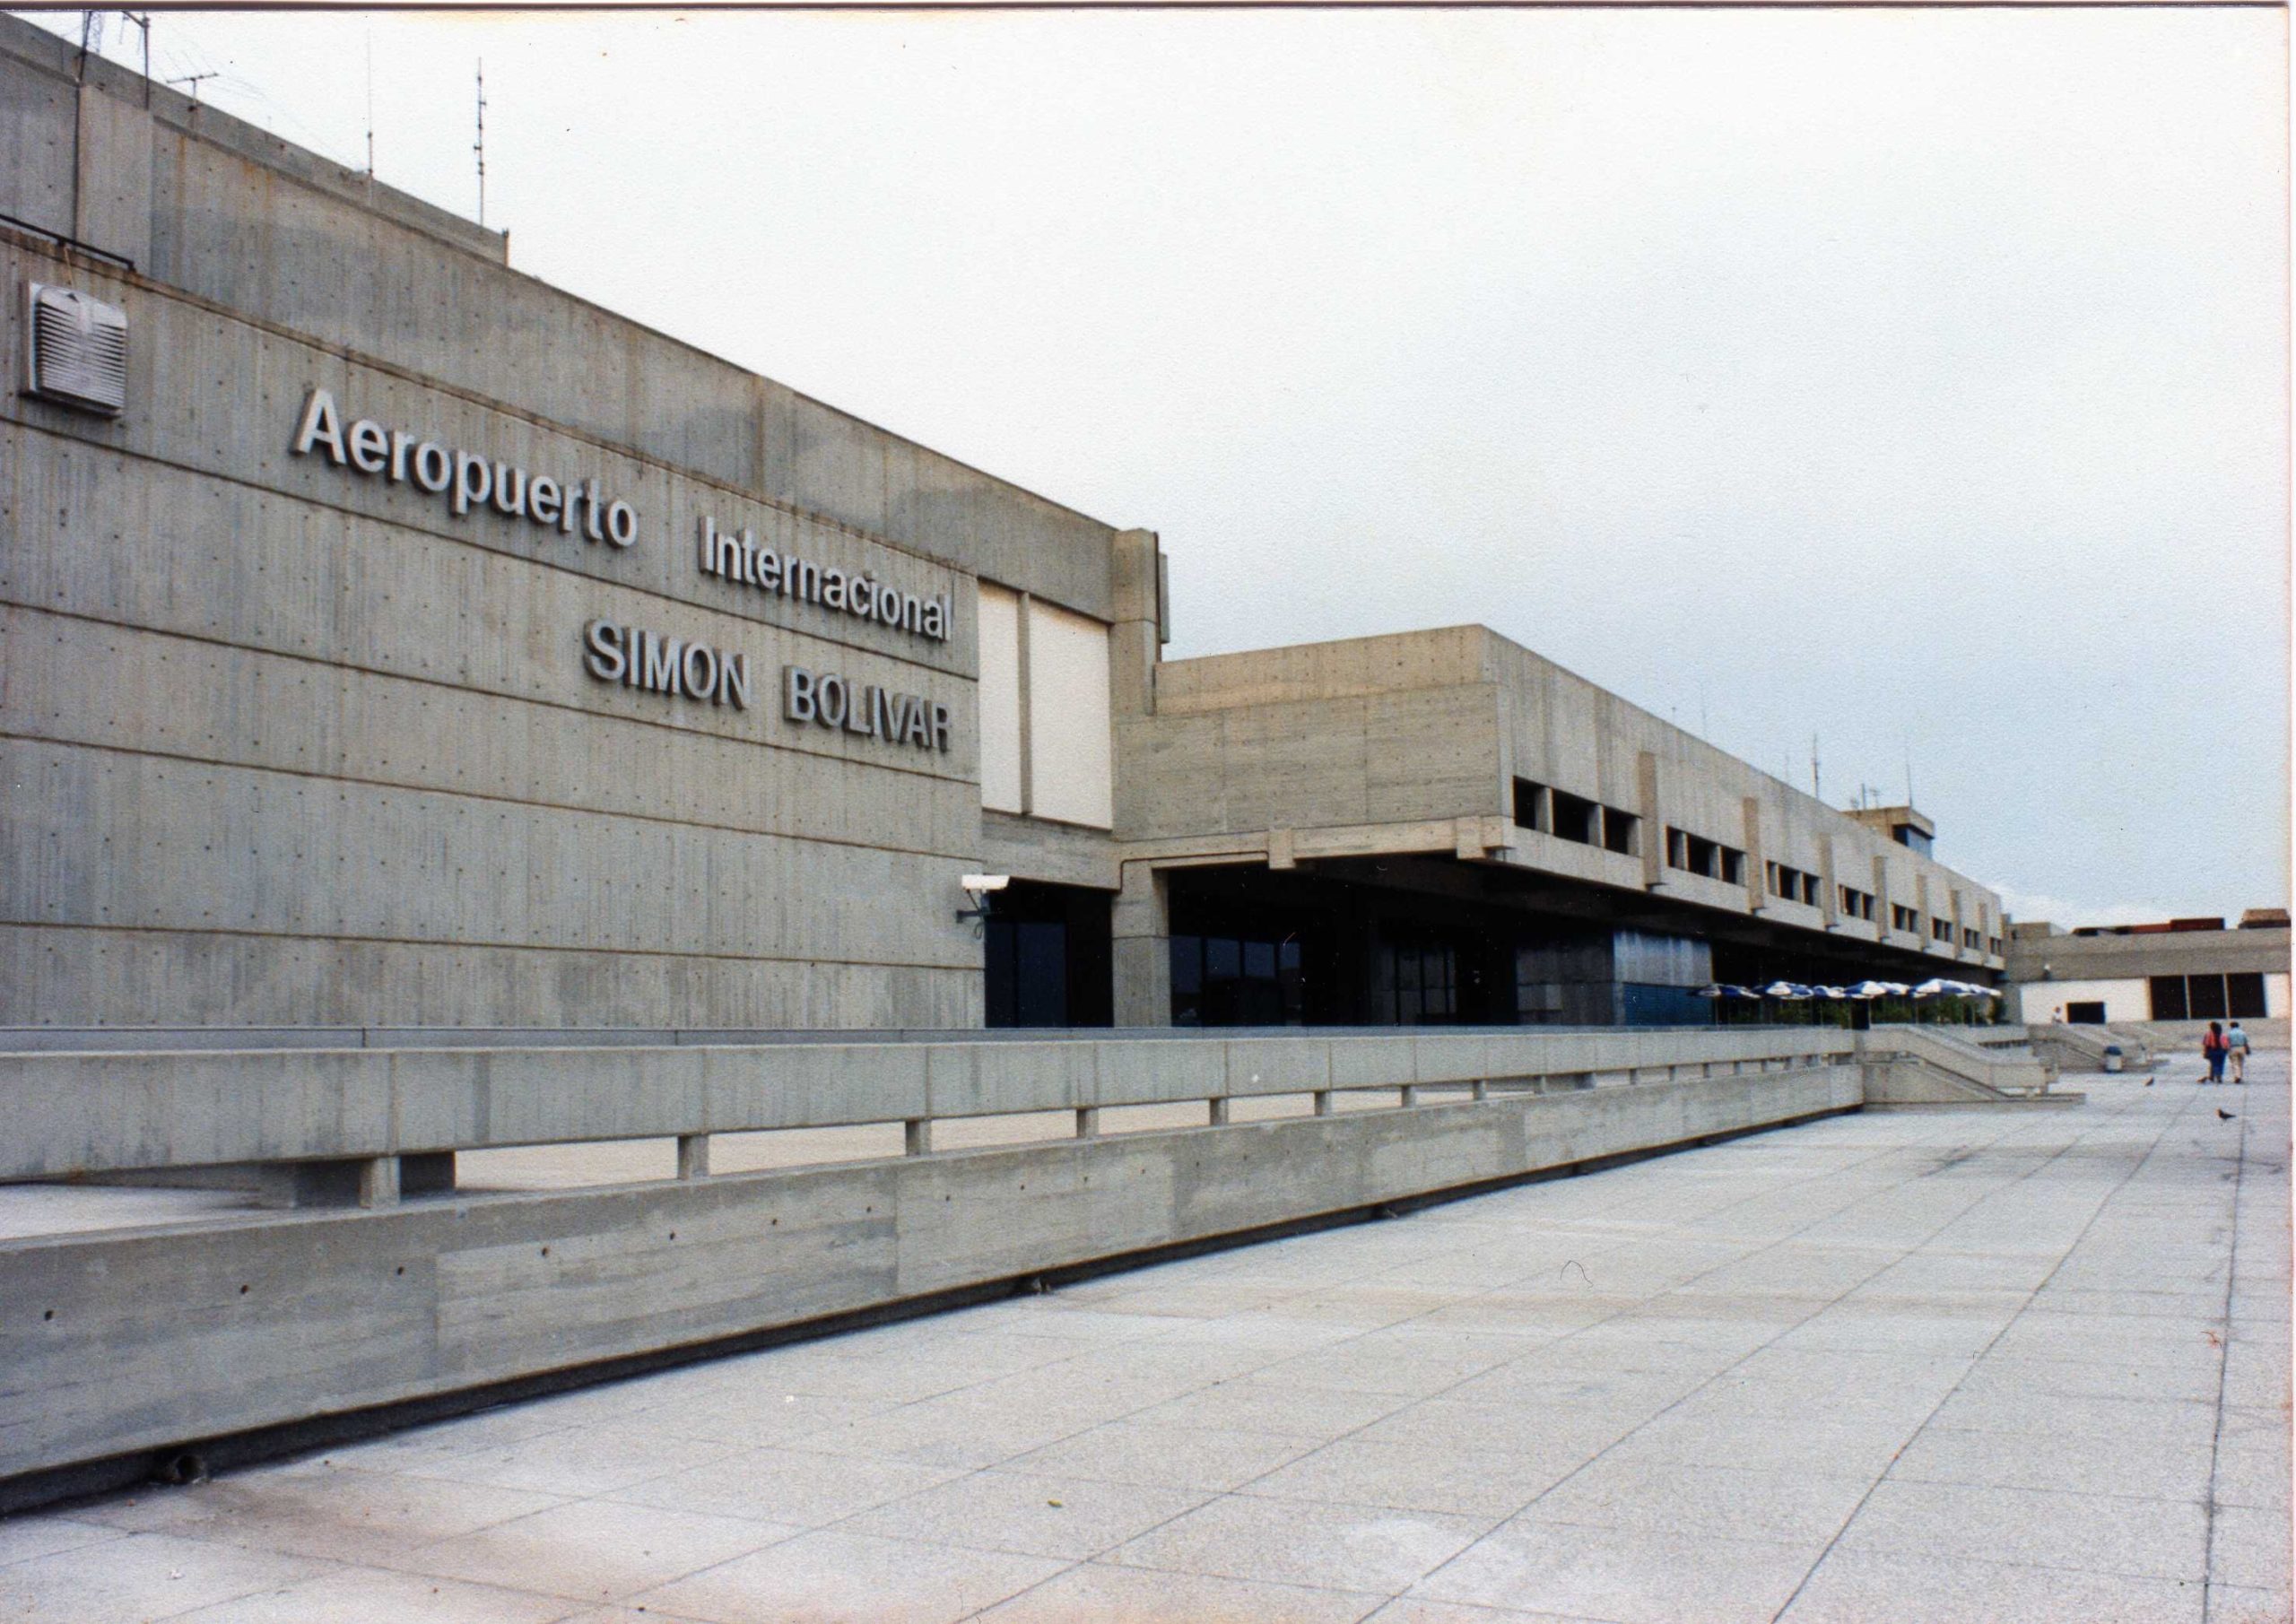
(78, 350)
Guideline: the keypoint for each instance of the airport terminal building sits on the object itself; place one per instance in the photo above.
(390, 640)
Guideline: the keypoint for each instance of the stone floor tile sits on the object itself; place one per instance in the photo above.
(1539, 1430)
(1693, 1435)
(594, 1550)
(139, 1578)
(339, 1513)
(1719, 1502)
(831, 1574)
(2252, 1460)
(573, 1461)
(806, 1490)
(1176, 1457)
(2007, 1409)
(1408, 1609)
(23, 1538)
(1098, 1594)
(370, 1595)
(1407, 1477)
(2020, 1378)
(1410, 1364)
(1866, 1587)
(1364, 1548)
(2238, 1604)
(2249, 1547)
(2087, 1532)
(2136, 1464)
(1630, 1576)
(950, 1432)
(758, 1417)
(1066, 1517)
(1263, 1404)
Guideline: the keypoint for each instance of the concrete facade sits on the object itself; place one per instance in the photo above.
(323, 707)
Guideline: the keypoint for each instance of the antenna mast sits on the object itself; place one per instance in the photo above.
(1815, 794)
(370, 105)
(480, 146)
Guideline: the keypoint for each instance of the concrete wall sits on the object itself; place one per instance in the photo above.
(2040, 1002)
(135, 1341)
(287, 744)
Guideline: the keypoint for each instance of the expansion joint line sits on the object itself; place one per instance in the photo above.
(2223, 1362)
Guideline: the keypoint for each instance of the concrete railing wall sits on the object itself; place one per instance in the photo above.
(75, 1113)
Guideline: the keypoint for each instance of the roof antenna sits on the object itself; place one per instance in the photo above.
(370, 108)
(193, 80)
(143, 20)
(1814, 792)
(480, 146)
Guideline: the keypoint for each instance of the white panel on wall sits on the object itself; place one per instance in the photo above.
(1069, 772)
(1000, 698)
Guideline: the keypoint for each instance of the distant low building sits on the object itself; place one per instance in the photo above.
(2176, 969)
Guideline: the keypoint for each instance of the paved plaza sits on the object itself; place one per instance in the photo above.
(1952, 1365)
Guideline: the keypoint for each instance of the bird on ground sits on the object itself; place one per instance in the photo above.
(2224, 1115)
(2148, 1083)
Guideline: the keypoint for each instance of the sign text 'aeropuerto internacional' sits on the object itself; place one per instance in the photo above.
(463, 478)
(736, 556)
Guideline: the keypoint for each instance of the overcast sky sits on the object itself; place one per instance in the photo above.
(1916, 380)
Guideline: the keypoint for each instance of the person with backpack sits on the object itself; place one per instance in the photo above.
(2212, 1050)
(2236, 1049)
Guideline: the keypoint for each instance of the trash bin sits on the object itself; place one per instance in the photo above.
(2112, 1057)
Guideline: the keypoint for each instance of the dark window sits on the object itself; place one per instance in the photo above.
(1909, 837)
(2206, 994)
(1619, 831)
(1574, 819)
(2244, 995)
(1809, 890)
(2085, 1014)
(2168, 998)
(1734, 865)
(1530, 804)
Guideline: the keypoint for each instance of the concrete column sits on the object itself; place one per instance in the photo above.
(693, 1156)
(1409, 1097)
(917, 1136)
(1088, 1122)
(378, 1182)
(1482, 1088)
(1219, 1115)
(1654, 821)
(1757, 869)
(1138, 633)
(1829, 884)
(1322, 1098)
(1141, 948)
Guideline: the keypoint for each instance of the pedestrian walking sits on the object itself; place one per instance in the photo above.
(2236, 1049)
(2212, 1050)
